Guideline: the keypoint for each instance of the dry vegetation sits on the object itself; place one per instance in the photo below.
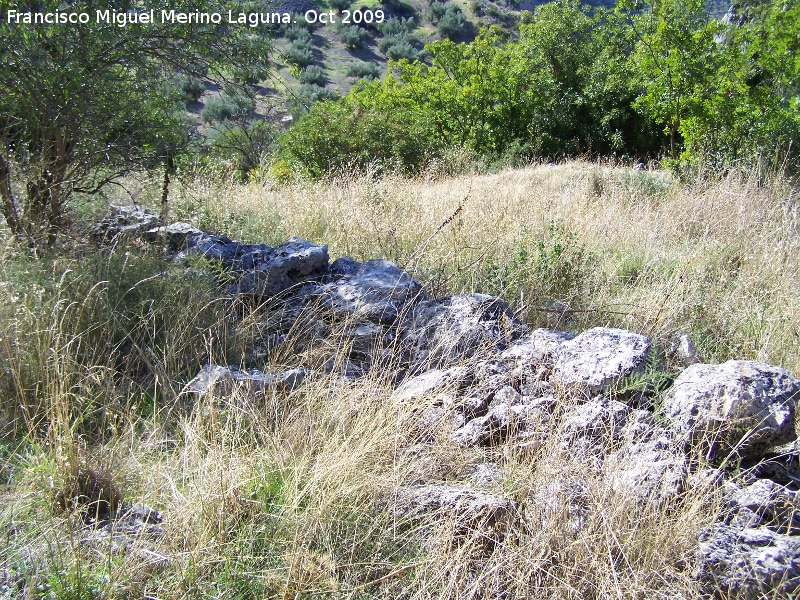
(292, 497)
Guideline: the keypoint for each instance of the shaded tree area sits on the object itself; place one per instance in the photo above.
(84, 104)
(662, 80)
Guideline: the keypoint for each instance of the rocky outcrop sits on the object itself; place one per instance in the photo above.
(444, 332)
(751, 562)
(476, 377)
(124, 220)
(740, 407)
(600, 357)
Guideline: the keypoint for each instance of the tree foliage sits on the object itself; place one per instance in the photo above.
(84, 104)
(636, 81)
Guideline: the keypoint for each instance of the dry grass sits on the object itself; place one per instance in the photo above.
(291, 496)
(716, 259)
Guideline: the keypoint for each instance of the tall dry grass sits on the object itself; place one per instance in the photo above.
(292, 496)
(717, 259)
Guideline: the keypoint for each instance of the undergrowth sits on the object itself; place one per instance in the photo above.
(292, 496)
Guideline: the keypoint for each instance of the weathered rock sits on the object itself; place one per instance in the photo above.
(739, 406)
(683, 351)
(376, 290)
(748, 563)
(174, 235)
(264, 271)
(560, 503)
(540, 345)
(222, 382)
(128, 220)
(463, 503)
(599, 358)
(125, 527)
(763, 502)
(435, 382)
(598, 420)
(443, 332)
(652, 471)
(502, 421)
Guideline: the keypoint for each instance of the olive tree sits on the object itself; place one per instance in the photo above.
(84, 104)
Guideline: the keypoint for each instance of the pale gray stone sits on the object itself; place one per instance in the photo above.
(749, 563)
(599, 358)
(739, 406)
(652, 471)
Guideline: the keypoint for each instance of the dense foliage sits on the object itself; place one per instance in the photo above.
(664, 80)
(84, 104)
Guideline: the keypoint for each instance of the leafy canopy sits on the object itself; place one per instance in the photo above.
(84, 104)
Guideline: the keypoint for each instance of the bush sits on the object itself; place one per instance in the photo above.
(299, 54)
(306, 96)
(364, 70)
(312, 74)
(438, 9)
(246, 146)
(230, 105)
(402, 49)
(342, 135)
(191, 88)
(352, 36)
(453, 25)
(295, 32)
(395, 27)
(340, 4)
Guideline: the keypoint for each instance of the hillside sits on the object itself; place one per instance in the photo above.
(188, 415)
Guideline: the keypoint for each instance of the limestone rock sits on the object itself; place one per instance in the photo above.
(443, 332)
(439, 381)
(128, 220)
(652, 471)
(748, 563)
(222, 381)
(264, 271)
(600, 357)
(683, 351)
(462, 503)
(376, 290)
(174, 235)
(598, 420)
(741, 406)
(763, 502)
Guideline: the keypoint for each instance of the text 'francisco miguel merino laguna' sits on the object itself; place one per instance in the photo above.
(145, 17)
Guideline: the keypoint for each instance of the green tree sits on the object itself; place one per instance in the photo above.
(85, 104)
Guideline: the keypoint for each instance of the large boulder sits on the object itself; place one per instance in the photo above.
(652, 471)
(376, 290)
(263, 271)
(124, 220)
(443, 332)
(740, 406)
(753, 562)
(599, 358)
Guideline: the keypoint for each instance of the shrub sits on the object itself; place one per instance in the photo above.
(312, 74)
(438, 9)
(364, 70)
(191, 88)
(395, 26)
(246, 146)
(340, 4)
(352, 36)
(402, 49)
(296, 32)
(230, 105)
(308, 94)
(299, 54)
(453, 25)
